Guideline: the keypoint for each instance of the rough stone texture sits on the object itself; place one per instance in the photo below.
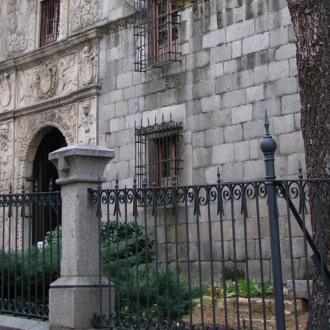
(74, 296)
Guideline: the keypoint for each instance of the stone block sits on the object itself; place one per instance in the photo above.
(233, 99)
(74, 301)
(291, 143)
(128, 93)
(203, 89)
(231, 66)
(223, 153)
(240, 30)
(226, 83)
(254, 94)
(198, 59)
(221, 53)
(284, 124)
(278, 37)
(214, 38)
(214, 136)
(253, 129)
(124, 80)
(197, 140)
(233, 133)
(115, 96)
(260, 74)
(300, 287)
(286, 86)
(236, 48)
(268, 22)
(291, 104)
(241, 150)
(272, 106)
(121, 108)
(117, 124)
(245, 78)
(201, 157)
(254, 170)
(278, 70)
(211, 103)
(256, 43)
(293, 67)
(285, 52)
(285, 17)
(241, 114)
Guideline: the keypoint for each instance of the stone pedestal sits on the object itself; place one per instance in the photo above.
(74, 297)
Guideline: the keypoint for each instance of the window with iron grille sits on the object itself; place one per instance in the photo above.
(157, 153)
(50, 21)
(156, 33)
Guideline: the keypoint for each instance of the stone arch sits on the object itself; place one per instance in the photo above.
(30, 131)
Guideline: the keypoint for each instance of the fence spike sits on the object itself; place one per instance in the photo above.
(300, 176)
(218, 176)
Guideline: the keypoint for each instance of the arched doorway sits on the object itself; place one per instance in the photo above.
(45, 172)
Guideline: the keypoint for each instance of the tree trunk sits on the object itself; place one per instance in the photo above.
(311, 21)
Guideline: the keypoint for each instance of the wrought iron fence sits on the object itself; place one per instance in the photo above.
(30, 251)
(206, 256)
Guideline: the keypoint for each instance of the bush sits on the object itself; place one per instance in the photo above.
(127, 259)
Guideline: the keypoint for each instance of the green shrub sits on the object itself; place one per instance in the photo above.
(127, 259)
(27, 274)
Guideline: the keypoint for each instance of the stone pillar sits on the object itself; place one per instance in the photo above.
(74, 297)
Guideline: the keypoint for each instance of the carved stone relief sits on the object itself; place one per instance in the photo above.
(17, 40)
(67, 75)
(87, 122)
(6, 155)
(84, 13)
(55, 78)
(7, 83)
(12, 21)
(64, 18)
(88, 65)
(45, 80)
(64, 119)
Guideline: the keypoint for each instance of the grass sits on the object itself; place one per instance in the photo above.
(243, 288)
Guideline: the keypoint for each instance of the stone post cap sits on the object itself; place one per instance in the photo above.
(81, 163)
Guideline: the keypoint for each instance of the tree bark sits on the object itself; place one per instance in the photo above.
(311, 22)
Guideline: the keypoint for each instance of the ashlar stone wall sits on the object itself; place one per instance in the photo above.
(237, 60)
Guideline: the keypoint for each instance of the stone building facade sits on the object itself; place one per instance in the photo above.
(136, 75)
(234, 60)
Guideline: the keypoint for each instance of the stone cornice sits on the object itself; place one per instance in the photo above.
(118, 25)
(50, 104)
(55, 50)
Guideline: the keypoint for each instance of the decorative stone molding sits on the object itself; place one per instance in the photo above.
(45, 80)
(64, 119)
(12, 21)
(14, 43)
(6, 91)
(88, 64)
(87, 122)
(119, 25)
(6, 155)
(55, 78)
(85, 13)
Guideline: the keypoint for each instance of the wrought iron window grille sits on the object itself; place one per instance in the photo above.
(50, 21)
(157, 153)
(156, 34)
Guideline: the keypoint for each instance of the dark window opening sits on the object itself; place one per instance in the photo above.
(157, 153)
(50, 21)
(156, 33)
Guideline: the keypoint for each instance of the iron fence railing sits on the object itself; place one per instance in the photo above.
(30, 251)
(203, 256)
